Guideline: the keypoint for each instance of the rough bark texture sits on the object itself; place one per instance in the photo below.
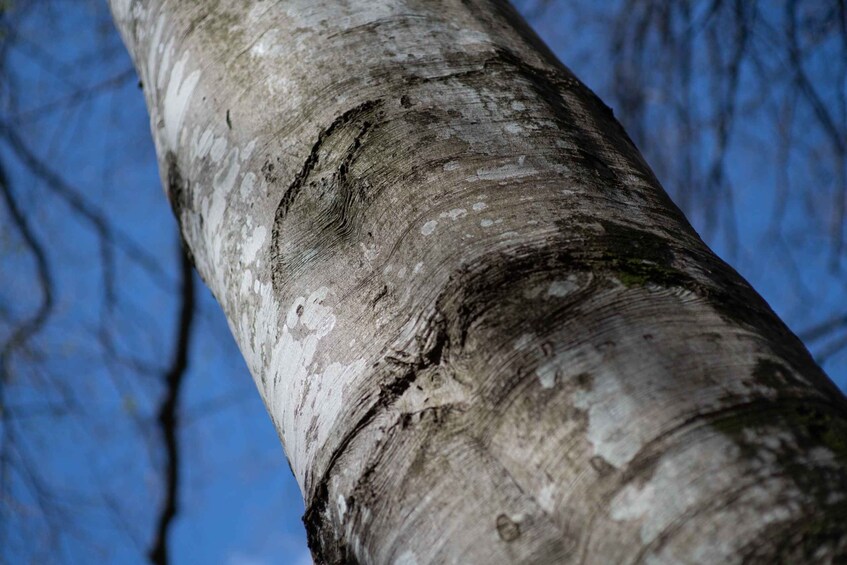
(482, 329)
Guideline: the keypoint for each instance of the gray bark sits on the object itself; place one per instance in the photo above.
(483, 331)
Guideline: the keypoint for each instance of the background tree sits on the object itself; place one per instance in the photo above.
(48, 86)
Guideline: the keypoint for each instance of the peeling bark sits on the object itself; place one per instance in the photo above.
(481, 328)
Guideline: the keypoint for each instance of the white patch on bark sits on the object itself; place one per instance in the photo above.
(292, 318)
(121, 9)
(177, 97)
(429, 227)
(329, 395)
(288, 371)
(370, 251)
(218, 149)
(342, 507)
(247, 282)
(214, 207)
(225, 179)
(610, 409)
(201, 144)
(524, 340)
(316, 316)
(547, 498)
(253, 244)
(155, 47)
(479, 206)
(292, 379)
(503, 172)
(561, 289)
(547, 374)
(247, 184)
(454, 214)
(406, 558)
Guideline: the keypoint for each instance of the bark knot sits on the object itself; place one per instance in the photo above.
(322, 207)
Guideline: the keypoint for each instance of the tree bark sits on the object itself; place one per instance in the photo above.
(482, 329)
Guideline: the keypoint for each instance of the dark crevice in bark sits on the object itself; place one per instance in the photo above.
(803, 411)
(383, 292)
(168, 417)
(817, 537)
(435, 343)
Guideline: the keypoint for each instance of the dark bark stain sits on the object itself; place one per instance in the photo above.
(507, 529)
(179, 195)
(380, 295)
(268, 172)
(177, 188)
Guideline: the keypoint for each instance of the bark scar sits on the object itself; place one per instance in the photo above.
(332, 198)
(312, 159)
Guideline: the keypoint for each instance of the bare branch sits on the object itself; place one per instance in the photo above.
(74, 198)
(169, 413)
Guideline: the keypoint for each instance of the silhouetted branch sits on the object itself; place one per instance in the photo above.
(831, 349)
(828, 123)
(24, 330)
(45, 280)
(824, 328)
(169, 413)
(77, 96)
(79, 204)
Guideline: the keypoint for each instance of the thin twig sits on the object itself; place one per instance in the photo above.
(169, 414)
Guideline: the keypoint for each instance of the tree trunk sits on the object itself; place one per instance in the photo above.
(481, 328)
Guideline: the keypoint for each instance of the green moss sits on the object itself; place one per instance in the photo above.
(637, 257)
(734, 423)
(775, 375)
(638, 272)
(826, 530)
(813, 424)
(822, 426)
